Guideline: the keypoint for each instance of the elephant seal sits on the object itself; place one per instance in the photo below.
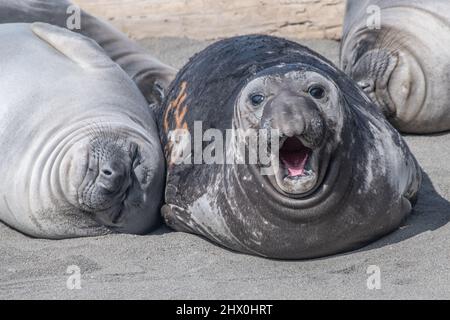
(403, 62)
(151, 75)
(344, 178)
(80, 149)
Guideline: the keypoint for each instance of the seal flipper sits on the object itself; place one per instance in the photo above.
(415, 184)
(80, 49)
(174, 219)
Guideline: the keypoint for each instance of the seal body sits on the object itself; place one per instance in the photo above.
(80, 149)
(397, 51)
(344, 178)
(151, 75)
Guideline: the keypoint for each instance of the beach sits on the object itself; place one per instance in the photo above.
(414, 261)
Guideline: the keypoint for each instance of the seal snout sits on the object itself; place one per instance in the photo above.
(291, 113)
(112, 175)
(115, 179)
(302, 130)
(298, 119)
(102, 177)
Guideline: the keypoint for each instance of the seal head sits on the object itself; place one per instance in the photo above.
(300, 106)
(110, 176)
(402, 66)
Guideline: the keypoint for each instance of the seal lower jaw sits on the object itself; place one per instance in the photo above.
(296, 185)
(110, 218)
(108, 212)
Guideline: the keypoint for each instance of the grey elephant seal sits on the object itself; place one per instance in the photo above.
(151, 75)
(345, 176)
(80, 149)
(403, 65)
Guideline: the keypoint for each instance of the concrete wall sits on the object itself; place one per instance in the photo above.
(212, 19)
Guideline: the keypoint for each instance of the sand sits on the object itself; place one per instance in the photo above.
(414, 261)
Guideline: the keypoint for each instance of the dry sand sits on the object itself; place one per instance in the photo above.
(414, 261)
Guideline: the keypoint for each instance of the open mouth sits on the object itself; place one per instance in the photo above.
(298, 164)
(294, 158)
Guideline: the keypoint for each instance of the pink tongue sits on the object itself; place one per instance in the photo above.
(295, 162)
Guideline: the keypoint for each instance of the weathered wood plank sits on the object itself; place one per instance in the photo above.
(212, 19)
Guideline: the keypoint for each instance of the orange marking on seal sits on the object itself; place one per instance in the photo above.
(178, 110)
(179, 118)
(174, 107)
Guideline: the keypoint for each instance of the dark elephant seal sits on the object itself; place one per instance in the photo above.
(81, 154)
(151, 75)
(345, 176)
(404, 64)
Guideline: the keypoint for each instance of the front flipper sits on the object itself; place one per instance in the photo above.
(150, 75)
(80, 49)
(173, 217)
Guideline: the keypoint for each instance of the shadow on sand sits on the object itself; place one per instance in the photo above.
(431, 212)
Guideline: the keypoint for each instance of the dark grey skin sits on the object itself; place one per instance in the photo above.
(359, 181)
(150, 75)
(404, 65)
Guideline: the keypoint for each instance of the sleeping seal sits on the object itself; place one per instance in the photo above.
(403, 64)
(151, 76)
(80, 150)
(344, 176)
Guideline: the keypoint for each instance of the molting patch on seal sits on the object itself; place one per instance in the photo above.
(206, 215)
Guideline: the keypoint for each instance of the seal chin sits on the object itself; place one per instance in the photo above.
(297, 172)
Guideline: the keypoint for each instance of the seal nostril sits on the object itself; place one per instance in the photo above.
(364, 85)
(107, 172)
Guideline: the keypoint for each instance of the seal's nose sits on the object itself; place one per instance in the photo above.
(291, 114)
(111, 176)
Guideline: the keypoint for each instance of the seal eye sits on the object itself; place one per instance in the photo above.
(317, 92)
(257, 99)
